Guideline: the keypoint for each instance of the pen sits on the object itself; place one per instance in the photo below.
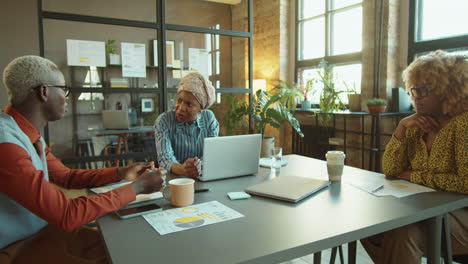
(202, 190)
(376, 189)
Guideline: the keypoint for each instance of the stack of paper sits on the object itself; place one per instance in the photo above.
(139, 198)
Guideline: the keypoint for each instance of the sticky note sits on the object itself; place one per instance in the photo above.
(238, 195)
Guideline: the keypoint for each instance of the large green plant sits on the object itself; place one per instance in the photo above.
(290, 94)
(267, 109)
(330, 97)
(235, 118)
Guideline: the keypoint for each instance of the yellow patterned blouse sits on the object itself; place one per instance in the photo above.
(445, 167)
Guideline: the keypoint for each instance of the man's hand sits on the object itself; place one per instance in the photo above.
(134, 170)
(148, 182)
(406, 175)
(424, 122)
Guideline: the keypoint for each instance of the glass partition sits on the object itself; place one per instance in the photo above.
(139, 10)
(223, 59)
(208, 14)
(224, 108)
(116, 85)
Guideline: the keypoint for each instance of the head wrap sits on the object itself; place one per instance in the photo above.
(200, 87)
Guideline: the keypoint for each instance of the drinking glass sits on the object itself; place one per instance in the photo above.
(276, 155)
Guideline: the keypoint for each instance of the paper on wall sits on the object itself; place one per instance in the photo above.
(199, 60)
(133, 60)
(86, 53)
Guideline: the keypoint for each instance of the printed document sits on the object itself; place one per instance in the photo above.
(184, 218)
(139, 198)
(379, 186)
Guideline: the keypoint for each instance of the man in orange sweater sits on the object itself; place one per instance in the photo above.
(39, 223)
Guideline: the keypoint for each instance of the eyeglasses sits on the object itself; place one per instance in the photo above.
(421, 92)
(65, 88)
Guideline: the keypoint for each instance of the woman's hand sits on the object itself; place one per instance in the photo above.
(134, 170)
(424, 122)
(188, 168)
(406, 175)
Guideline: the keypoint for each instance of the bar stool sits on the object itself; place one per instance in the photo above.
(85, 148)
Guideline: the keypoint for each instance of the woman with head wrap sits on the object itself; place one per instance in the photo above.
(429, 148)
(180, 132)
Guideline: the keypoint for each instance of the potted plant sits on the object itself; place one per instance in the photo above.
(376, 105)
(354, 99)
(290, 94)
(235, 118)
(306, 90)
(111, 51)
(267, 109)
(330, 97)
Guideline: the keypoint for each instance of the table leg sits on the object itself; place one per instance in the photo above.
(433, 241)
(333, 255)
(446, 240)
(352, 252)
(317, 257)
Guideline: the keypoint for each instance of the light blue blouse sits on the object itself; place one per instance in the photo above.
(177, 141)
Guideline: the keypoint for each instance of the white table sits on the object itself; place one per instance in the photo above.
(274, 231)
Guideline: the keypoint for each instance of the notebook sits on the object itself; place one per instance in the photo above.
(115, 119)
(230, 156)
(288, 188)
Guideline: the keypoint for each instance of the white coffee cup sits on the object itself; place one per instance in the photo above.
(335, 164)
(181, 192)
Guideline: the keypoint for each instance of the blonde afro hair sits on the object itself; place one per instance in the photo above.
(446, 74)
(25, 73)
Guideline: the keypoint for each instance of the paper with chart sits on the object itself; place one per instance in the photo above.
(139, 198)
(133, 60)
(199, 60)
(197, 215)
(379, 186)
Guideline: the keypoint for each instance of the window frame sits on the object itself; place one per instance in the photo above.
(414, 33)
(338, 60)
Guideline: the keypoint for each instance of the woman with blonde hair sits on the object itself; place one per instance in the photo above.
(430, 148)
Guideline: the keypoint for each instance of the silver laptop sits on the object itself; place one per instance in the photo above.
(115, 119)
(288, 188)
(230, 156)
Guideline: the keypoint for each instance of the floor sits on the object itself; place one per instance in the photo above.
(361, 258)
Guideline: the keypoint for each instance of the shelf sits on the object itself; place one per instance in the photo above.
(148, 67)
(346, 112)
(351, 147)
(114, 90)
(89, 114)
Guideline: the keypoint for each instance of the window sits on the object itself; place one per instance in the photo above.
(329, 30)
(436, 25)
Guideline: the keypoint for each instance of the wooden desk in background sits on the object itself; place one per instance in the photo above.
(121, 139)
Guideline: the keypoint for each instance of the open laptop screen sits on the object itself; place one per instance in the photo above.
(230, 156)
